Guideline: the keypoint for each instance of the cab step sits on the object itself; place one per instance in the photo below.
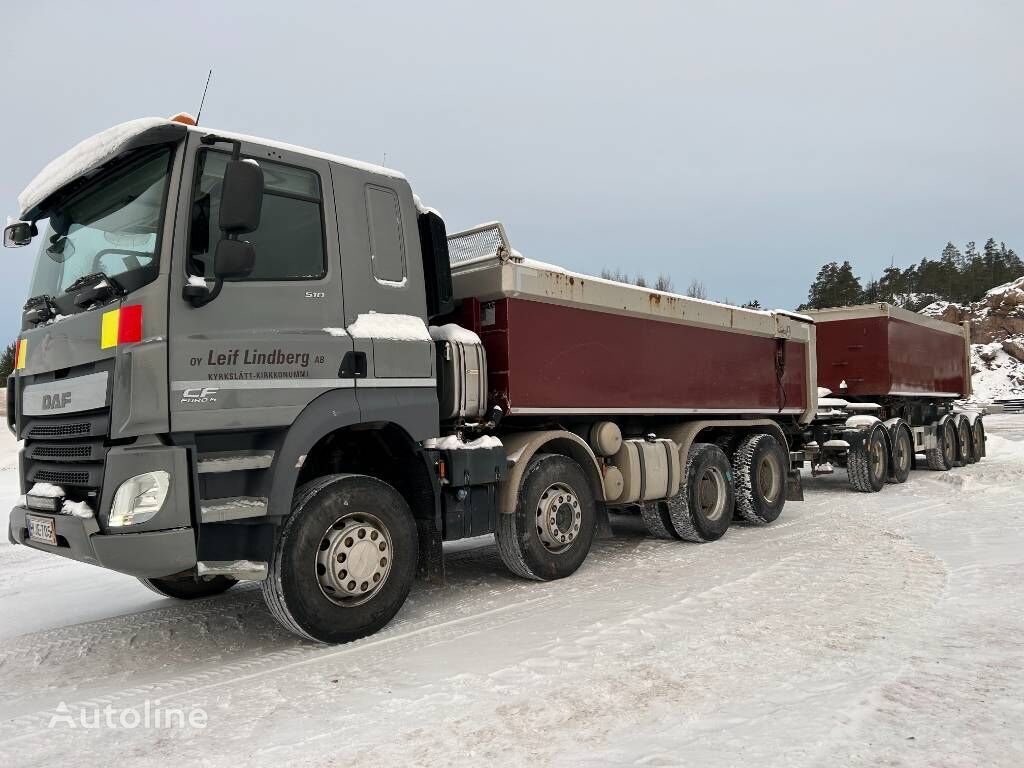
(233, 508)
(234, 461)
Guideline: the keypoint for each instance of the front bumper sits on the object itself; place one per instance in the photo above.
(162, 546)
(151, 554)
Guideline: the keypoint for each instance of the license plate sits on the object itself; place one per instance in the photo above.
(41, 529)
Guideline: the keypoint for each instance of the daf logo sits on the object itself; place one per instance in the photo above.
(199, 395)
(57, 400)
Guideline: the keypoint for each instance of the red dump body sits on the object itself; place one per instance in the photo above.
(879, 350)
(560, 343)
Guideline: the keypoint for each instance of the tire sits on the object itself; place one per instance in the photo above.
(657, 520)
(549, 533)
(941, 457)
(342, 520)
(189, 588)
(703, 509)
(867, 464)
(759, 472)
(965, 440)
(978, 435)
(902, 455)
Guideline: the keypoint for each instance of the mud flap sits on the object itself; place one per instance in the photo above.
(794, 487)
(430, 566)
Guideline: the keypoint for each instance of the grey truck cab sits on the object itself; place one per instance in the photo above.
(216, 325)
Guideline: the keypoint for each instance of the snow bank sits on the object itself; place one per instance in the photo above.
(378, 325)
(453, 443)
(997, 374)
(453, 332)
(84, 156)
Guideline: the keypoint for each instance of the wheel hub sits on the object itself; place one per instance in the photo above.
(768, 478)
(711, 493)
(559, 517)
(354, 559)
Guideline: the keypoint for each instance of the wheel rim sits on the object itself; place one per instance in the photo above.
(877, 450)
(903, 450)
(711, 493)
(978, 431)
(354, 559)
(768, 478)
(949, 443)
(965, 439)
(559, 518)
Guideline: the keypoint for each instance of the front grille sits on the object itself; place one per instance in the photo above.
(61, 477)
(69, 451)
(59, 430)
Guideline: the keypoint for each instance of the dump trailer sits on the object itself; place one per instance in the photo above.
(889, 379)
(245, 360)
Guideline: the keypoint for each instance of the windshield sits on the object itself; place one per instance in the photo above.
(111, 226)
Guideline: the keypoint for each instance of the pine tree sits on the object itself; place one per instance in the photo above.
(7, 361)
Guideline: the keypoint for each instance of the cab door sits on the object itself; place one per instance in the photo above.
(275, 340)
(385, 299)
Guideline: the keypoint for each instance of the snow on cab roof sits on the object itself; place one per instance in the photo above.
(96, 150)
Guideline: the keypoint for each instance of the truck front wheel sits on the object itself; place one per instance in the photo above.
(189, 588)
(344, 560)
(549, 533)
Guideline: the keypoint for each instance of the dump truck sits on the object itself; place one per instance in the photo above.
(889, 381)
(246, 360)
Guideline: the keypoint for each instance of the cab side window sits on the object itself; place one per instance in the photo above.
(290, 239)
(387, 241)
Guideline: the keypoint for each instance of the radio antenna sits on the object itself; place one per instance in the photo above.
(203, 101)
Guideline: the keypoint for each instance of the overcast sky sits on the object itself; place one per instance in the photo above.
(742, 144)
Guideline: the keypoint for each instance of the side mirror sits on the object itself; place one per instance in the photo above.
(233, 259)
(437, 270)
(19, 233)
(241, 201)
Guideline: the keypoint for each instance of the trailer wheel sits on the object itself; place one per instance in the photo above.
(941, 457)
(344, 560)
(978, 438)
(549, 533)
(902, 455)
(759, 469)
(189, 588)
(965, 440)
(703, 508)
(867, 463)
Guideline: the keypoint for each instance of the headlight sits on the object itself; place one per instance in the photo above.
(139, 498)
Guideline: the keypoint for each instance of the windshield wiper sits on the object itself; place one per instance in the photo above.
(99, 287)
(39, 309)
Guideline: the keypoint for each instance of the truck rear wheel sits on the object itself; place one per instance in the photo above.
(902, 455)
(189, 588)
(867, 463)
(703, 509)
(549, 533)
(759, 469)
(965, 440)
(657, 520)
(344, 560)
(941, 457)
(978, 438)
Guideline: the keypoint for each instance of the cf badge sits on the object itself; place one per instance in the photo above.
(199, 395)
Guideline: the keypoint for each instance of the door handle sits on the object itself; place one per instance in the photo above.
(353, 366)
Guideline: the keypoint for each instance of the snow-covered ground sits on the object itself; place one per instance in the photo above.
(864, 630)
